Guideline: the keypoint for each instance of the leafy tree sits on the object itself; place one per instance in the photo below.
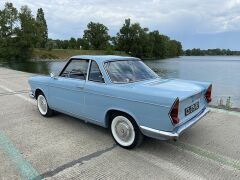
(188, 52)
(20, 32)
(159, 44)
(179, 48)
(82, 43)
(132, 39)
(50, 44)
(137, 41)
(123, 40)
(72, 43)
(8, 32)
(42, 30)
(65, 44)
(172, 49)
(8, 21)
(17, 33)
(96, 35)
(27, 33)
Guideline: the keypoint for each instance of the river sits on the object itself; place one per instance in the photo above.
(222, 71)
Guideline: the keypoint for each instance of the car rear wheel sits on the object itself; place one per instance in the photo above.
(125, 132)
(43, 106)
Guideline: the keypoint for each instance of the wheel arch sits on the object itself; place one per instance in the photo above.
(38, 91)
(112, 112)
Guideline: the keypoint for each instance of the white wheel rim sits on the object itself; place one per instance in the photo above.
(123, 131)
(42, 104)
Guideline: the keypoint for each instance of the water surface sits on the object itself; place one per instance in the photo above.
(222, 71)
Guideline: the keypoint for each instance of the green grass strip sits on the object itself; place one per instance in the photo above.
(207, 154)
(23, 167)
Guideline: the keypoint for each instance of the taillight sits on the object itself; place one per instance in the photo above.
(208, 94)
(174, 112)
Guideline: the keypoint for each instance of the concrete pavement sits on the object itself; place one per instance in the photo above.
(62, 147)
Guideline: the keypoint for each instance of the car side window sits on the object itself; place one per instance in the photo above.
(95, 73)
(77, 69)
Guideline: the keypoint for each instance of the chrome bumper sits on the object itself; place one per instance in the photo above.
(31, 94)
(165, 135)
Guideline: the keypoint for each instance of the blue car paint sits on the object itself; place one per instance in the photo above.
(148, 102)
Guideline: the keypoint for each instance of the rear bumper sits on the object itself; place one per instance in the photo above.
(165, 135)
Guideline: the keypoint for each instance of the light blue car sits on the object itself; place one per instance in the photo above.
(123, 94)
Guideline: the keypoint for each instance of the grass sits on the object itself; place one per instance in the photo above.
(66, 53)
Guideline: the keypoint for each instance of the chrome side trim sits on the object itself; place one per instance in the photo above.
(165, 135)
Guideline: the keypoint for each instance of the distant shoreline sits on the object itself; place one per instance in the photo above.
(211, 52)
(64, 54)
(208, 55)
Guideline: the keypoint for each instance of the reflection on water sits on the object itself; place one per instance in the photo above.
(37, 67)
(222, 71)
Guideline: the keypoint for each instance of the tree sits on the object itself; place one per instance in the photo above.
(42, 30)
(123, 40)
(50, 45)
(20, 32)
(8, 30)
(82, 44)
(172, 49)
(179, 48)
(159, 44)
(27, 33)
(72, 43)
(132, 39)
(8, 21)
(97, 36)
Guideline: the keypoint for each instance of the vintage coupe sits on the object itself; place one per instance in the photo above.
(123, 94)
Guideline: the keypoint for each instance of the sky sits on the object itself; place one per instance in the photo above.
(195, 23)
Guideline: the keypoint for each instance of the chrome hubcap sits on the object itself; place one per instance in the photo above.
(42, 104)
(123, 131)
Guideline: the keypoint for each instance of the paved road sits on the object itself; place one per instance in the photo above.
(63, 147)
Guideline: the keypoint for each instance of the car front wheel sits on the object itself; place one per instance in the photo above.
(43, 106)
(125, 132)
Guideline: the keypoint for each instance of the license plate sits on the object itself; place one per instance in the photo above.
(191, 108)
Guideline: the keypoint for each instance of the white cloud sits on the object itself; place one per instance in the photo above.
(68, 18)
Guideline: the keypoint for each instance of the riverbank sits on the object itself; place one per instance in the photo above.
(62, 54)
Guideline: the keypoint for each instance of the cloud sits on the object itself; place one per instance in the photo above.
(181, 18)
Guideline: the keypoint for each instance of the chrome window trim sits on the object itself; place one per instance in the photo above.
(69, 61)
(90, 63)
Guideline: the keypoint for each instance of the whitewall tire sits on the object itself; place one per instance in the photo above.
(43, 106)
(125, 131)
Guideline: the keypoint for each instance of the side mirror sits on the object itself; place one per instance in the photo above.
(52, 75)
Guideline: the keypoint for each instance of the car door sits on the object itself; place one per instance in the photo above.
(66, 92)
(96, 101)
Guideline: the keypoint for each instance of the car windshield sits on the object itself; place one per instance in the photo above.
(128, 71)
